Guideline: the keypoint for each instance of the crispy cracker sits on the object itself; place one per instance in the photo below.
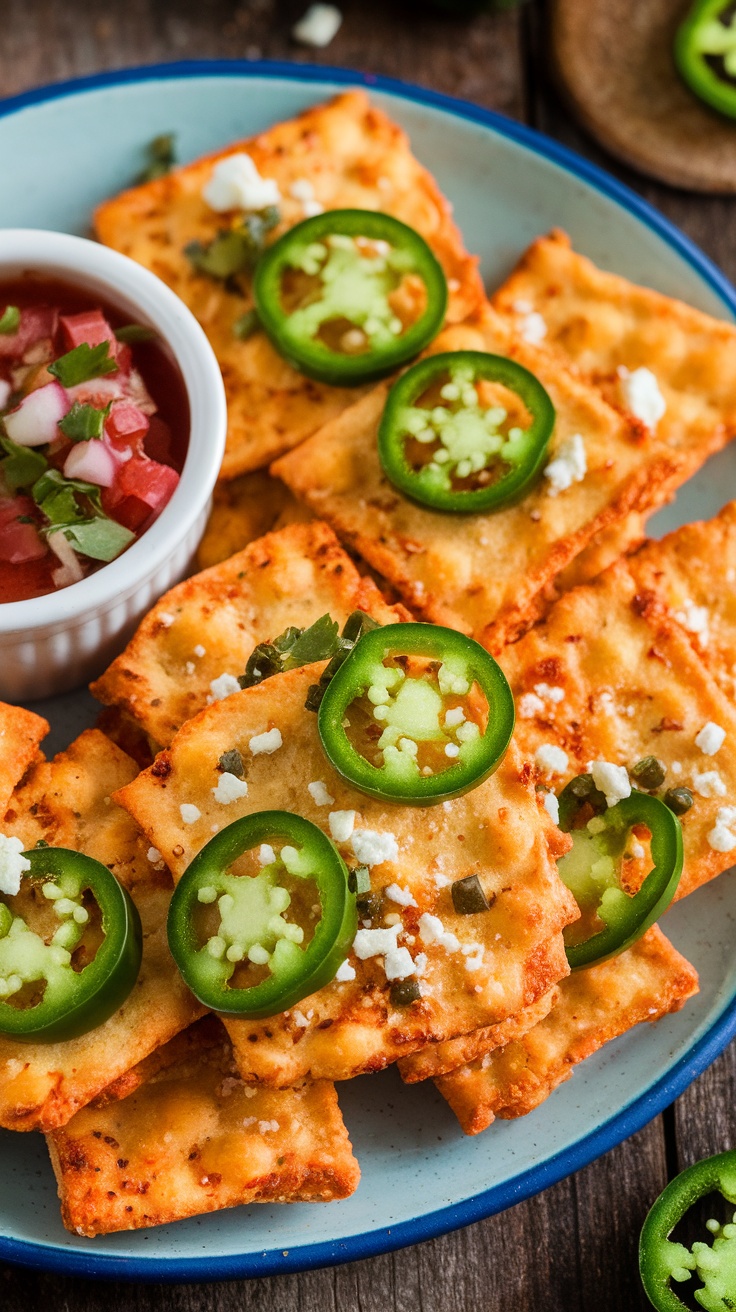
(600, 322)
(595, 1005)
(21, 733)
(194, 1139)
(67, 803)
(633, 687)
(242, 510)
(693, 572)
(355, 158)
(209, 625)
(603, 550)
(499, 829)
(482, 573)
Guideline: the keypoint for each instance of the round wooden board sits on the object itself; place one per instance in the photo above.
(614, 61)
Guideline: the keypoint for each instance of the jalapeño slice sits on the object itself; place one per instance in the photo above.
(661, 1260)
(416, 713)
(349, 295)
(601, 849)
(705, 53)
(263, 916)
(70, 947)
(465, 431)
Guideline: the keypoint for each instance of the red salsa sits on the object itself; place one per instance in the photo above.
(94, 429)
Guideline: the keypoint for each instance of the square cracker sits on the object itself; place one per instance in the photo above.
(355, 158)
(595, 1005)
(21, 733)
(629, 686)
(481, 573)
(289, 577)
(243, 509)
(598, 323)
(67, 803)
(193, 1139)
(499, 829)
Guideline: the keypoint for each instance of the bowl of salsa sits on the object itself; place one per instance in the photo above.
(112, 430)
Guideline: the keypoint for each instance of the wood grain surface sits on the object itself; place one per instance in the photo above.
(573, 1248)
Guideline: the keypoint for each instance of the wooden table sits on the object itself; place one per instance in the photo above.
(572, 1249)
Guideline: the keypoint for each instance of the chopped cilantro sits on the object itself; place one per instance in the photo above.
(246, 325)
(100, 538)
(161, 157)
(234, 250)
(295, 647)
(22, 465)
(9, 320)
(82, 363)
(232, 763)
(83, 423)
(134, 332)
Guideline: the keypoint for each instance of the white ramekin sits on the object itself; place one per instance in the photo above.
(53, 643)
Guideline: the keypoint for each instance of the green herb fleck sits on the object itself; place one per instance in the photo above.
(296, 647)
(161, 157)
(9, 320)
(22, 465)
(232, 763)
(246, 325)
(234, 250)
(83, 363)
(404, 992)
(359, 880)
(130, 333)
(83, 423)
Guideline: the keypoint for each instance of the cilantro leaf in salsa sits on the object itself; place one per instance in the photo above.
(22, 465)
(9, 320)
(161, 156)
(234, 250)
(130, 333)
(57, 497)
(83, 363)
(99, 538)
(83, 423)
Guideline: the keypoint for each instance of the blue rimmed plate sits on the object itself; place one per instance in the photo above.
(64, 149)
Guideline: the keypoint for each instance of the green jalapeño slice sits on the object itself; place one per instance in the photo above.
(70, 947)
(605, 870)
(416, 713)
(263, 916)
(349, 295)
(465, 431)
(714, 1264)
(705, 53)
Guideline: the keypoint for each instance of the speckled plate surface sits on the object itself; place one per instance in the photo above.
(63, 150)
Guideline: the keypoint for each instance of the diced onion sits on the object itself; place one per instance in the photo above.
(70, 570)
(91, 461)
(35, 421)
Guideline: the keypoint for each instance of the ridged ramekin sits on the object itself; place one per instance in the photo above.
(54, 643)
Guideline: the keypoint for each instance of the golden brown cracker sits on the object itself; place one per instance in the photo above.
(609, 676)
(21, 733)
(194, 1139)
(354, 157)
(208, 626)
(596, 1005)
(66, 802)
(243, 509)
(481, 573)
(499, 830)
(601, 323)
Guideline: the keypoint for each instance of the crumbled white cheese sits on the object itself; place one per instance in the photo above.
(710, 739)
(236, 184)
(474, 955)
(190, 667)
(637, 850)
(12, 864)
(641, 395)
(190, 814)
(268, 1127)
(318, 26)
(551, 759)
(676, 767)
(223, 686)
(569, 466)
(345, 972)
(342, 824)
(400, 895)
(302, 190)
(420, 963)
(165, 617)
(154, 856)
(229, 788)
(695, 619)
(612, 780)
(319, 794)
(531, 325)
(199, 650)
(267, 742)
(266, 854)
(721, 838)
(300, 1019)
(431, 930)
(441, 881)
(375, 942)
(529, 705)
(549, 692)
(708, 783)
(552, 807)
(373, 848)
(398, 963)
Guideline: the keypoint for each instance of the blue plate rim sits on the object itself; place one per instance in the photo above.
(634, 1115)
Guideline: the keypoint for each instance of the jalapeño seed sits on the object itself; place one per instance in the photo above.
(678, 800)
(582, 786)
(649, 773)
(404, 992)
(468, 897)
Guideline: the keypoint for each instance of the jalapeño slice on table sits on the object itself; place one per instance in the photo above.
(416, 713)
(70, 947)
(661, 1260)
(349, 295)
(610, 851)
(705, 53)
(465, 431)
(263, 916)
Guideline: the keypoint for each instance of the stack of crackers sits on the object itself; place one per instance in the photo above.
(616, 648)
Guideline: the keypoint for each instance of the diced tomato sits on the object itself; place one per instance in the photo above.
(37, 323)
(19, 542)
(91, 327)
(126, 425)
(140, 492)
(159, 443)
